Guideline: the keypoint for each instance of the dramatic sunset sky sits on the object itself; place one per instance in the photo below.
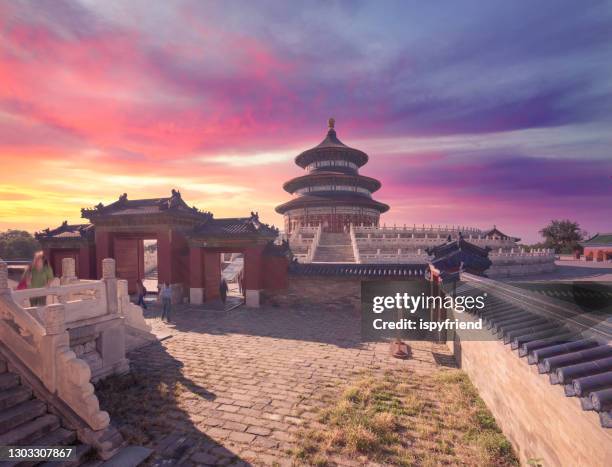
(477, 113)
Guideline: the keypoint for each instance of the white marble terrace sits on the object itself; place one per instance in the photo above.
(407, 244)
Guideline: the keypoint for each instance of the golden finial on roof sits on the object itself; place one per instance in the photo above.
(331, 122)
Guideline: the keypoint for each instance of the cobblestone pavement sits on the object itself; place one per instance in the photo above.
(251, 378)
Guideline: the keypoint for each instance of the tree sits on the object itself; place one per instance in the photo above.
(563, 235)
(17, 244)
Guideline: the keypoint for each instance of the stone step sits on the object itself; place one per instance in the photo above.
(84, 453)
(21, 413)
(14, 396)
(8, 380)
(334, 253)
(59, 437)
(129, 456)
(26, 432)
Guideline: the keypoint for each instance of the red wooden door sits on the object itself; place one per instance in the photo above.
(129, 257)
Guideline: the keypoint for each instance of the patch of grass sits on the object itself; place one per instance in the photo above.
(403, 418)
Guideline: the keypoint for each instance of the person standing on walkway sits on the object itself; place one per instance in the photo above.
(166, 298)
(142, 292)
(37, 275)
(223, 290)
(241, 282)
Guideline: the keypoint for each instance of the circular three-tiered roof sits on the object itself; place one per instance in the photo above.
(332, 194)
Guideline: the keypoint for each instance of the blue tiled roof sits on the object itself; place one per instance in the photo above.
(358, 270)
(559, 347)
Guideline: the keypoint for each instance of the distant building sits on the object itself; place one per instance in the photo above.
(598, 248)
(189, 246)
(332, 194)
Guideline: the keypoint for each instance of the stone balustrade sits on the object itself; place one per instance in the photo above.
(406, 245)
(314, 244)
(521, 263)
(303, 243)
(74, 335)
(505, 263)
(414, 228)
(41, 341)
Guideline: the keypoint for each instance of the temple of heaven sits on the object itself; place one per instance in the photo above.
(332, 194)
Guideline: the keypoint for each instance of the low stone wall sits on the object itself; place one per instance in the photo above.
(320, 291)
(542, 424)
(509, 265)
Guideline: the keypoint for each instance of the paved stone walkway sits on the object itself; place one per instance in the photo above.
(237, 386)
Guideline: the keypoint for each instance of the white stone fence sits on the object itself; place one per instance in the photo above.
(417, 229)
(314, 244)
(71, 333)
(297, 235)
(414, 240)
(304, 241)
(521, 263)
(356, 253)
(511, 263)
(39, 339)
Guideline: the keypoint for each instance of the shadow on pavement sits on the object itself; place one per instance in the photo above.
(151, 404)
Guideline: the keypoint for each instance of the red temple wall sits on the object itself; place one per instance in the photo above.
(274, 272)
(212, 274)
(58, 254)
(103, 250)
(252, 268)
(180, 258)
(84, 260)
(87, 262)
(164, 257)
(196, 268)
(598, 253)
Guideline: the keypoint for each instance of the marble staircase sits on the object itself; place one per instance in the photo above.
(334, 248)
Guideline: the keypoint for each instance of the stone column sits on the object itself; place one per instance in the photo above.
(110, 281)
(164, 257)
(196, 275)
(54, 318)
(54, 321)
(111, 343)
(252, 276)
(68, 271)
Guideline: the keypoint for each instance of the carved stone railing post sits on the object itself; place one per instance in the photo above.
(68, 271)
(111, 343)
(110, 280)
(54, 321)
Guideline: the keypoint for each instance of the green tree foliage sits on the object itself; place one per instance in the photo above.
(17, 244)
(563, 235)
